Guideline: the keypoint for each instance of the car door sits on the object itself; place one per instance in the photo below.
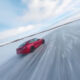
(37, 43)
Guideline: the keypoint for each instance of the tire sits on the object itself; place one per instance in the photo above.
(43, 41)
(32, 48)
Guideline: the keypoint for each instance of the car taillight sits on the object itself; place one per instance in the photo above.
(18, 49)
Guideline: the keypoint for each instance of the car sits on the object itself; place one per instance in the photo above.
(29, 46)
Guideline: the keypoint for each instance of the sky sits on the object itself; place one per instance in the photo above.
(18, 17)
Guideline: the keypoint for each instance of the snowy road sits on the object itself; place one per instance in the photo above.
(57, 59)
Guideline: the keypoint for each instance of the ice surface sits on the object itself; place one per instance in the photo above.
(57, 59)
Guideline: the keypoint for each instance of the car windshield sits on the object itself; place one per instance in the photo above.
(22, 45)
(35, 39)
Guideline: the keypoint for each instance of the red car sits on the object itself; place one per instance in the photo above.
(30, 46)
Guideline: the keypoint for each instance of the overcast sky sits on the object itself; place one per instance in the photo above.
(20, 16)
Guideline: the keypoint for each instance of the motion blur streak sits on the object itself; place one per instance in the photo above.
(57, 59)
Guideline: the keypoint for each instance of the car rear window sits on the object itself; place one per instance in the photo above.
(22, 45)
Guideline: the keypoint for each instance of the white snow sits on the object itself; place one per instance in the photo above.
(57, 59)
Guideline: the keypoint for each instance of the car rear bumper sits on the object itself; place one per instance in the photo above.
(22, 52)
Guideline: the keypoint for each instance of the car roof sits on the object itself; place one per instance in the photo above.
(29, 41)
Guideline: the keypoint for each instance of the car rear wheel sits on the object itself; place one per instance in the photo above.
(32, 48)
(43, 41)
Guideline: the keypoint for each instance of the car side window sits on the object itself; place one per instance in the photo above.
(33, 40)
